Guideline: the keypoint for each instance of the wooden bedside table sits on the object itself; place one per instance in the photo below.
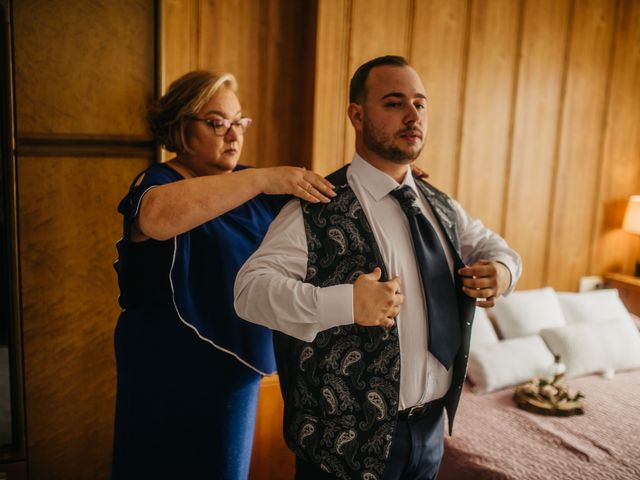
(629, 288)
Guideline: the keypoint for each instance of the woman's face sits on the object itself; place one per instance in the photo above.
(215, 154)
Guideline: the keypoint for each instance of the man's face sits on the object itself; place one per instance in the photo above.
(394, 114)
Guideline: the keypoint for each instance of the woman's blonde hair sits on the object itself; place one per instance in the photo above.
(186, 96)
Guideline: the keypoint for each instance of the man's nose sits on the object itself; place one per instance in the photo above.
(413, 115)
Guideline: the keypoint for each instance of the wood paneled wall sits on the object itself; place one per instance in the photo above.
(534, 116)
(84, 73)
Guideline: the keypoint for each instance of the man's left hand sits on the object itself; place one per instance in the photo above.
(485, 281)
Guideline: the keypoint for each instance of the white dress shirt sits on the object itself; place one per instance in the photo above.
(270, 288)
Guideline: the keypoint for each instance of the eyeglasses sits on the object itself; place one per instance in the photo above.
(221, 126)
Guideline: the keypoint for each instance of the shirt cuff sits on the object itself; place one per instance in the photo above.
(512, 267)
(335, 305)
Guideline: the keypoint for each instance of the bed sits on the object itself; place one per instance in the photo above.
(494, 440)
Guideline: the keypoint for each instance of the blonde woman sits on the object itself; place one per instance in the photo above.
(188, 366)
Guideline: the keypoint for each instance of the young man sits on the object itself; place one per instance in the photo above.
(373, 297)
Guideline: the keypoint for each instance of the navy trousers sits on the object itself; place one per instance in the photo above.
(416, 451)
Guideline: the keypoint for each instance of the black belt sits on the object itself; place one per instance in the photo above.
(419, 411)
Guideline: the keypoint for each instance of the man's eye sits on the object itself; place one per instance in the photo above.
(393, 104)
(421, 106)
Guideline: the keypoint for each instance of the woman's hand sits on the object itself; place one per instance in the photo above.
(418, 172)
(297, 181)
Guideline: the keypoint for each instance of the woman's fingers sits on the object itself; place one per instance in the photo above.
(304, 194)
(314, 192)
(316, 189)
(300, 182)
(319, 187)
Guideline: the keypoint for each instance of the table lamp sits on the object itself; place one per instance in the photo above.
(631, 221)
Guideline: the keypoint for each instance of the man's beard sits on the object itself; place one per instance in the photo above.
(382, 145)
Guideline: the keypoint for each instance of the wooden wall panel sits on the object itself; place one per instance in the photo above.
(488, 106)
(438, 53)
(619, 174)
(101, 88)
(331, 94)
(575, 198)
(178, 38)
(286, 84)
(84, 77)
(378, 27)
(68, 229)
(538, 102)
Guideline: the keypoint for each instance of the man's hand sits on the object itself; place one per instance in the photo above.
(376, 303)
(485, 281)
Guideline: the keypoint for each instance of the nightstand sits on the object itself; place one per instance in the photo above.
(628, 287)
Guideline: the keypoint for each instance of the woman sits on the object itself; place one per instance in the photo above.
(188, 367)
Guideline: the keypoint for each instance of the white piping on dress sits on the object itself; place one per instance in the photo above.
(173, 297)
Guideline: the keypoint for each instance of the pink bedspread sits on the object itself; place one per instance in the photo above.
(494, 440)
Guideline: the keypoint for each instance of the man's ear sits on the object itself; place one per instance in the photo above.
(355, 116)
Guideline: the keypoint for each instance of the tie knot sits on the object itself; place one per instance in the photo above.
(407, 199)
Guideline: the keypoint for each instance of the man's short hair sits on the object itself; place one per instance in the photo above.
(357, 87)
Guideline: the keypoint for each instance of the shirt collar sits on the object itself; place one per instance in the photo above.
(375, 181)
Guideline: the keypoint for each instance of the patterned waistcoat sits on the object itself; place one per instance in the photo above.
(341, 390)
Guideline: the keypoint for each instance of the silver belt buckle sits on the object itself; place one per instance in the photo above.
(413, 409)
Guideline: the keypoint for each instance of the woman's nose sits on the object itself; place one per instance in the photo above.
(232, 134)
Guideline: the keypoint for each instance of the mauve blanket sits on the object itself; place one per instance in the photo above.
(494, 440)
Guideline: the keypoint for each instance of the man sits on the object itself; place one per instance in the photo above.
(371, 298)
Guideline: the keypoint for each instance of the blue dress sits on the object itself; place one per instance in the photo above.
(188, 366)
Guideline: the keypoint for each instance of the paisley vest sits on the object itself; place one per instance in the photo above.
(341, 390)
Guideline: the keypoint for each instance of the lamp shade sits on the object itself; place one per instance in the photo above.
(631, 221)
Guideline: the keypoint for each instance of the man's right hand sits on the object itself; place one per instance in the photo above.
(376, 303)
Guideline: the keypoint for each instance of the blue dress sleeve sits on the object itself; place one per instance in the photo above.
(152, 177)
(129, 207)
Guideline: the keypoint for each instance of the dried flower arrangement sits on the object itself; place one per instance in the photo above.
(548, 396)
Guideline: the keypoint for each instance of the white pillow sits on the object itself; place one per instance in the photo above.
(482, 331)
(509, 362)
(595, 306)
(595, 347)
(527, 312)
